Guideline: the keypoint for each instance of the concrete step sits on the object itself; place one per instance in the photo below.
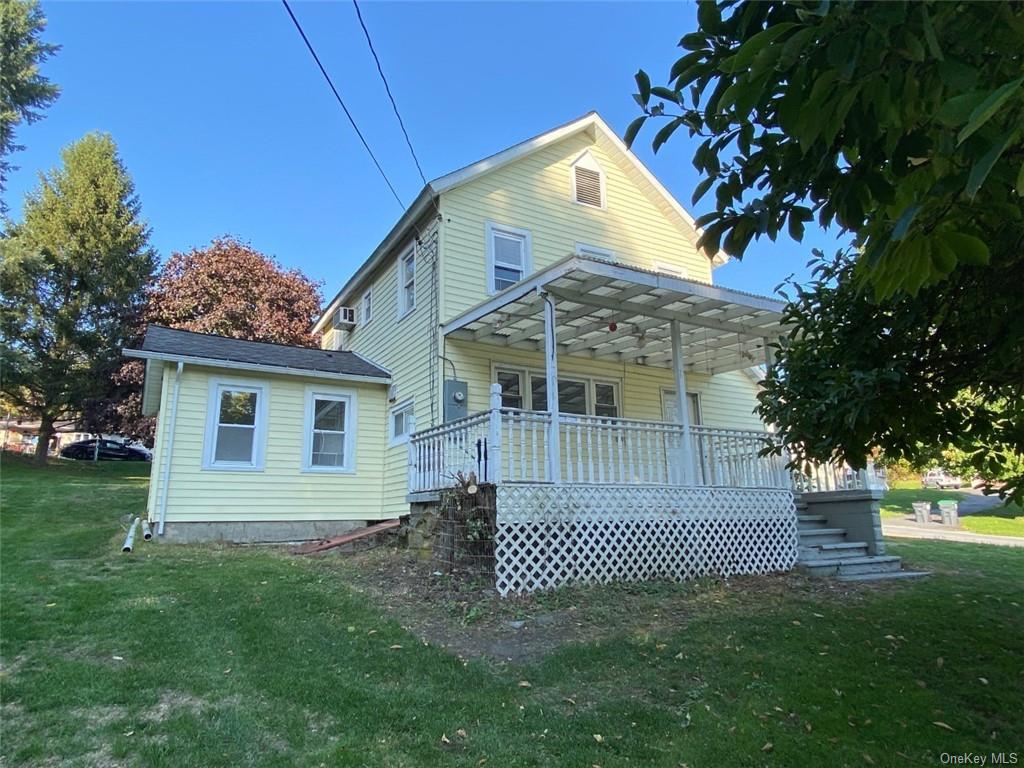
(805, 522)
(832, 551)
(884, 576)
(812, 537)
(851, 566)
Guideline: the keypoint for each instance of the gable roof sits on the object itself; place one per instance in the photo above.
(207, 349)
(592, 123)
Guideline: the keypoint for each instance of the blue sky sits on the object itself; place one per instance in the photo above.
(228, 128)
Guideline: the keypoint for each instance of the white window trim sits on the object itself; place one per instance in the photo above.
(589, 381)
(668, 393)
(403, 308)
(492, 227)
(583, 249)
(259, 439)
(586, 160)
(668, 268)
(405, 405)
(347, 396)
(366, 317)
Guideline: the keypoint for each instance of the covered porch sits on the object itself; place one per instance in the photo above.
(586, 309)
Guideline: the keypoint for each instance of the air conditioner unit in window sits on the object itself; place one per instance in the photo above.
(344, 319)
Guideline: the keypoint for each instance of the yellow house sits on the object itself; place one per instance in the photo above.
(541, 320)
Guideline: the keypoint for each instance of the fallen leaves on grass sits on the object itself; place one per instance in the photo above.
(768, 747)
(599, 738)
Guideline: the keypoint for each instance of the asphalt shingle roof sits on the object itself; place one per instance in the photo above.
(203, 345)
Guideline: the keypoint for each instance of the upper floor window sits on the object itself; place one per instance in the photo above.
(508, 256)
(407, 282)
(366, 306)
(675, 270)
(588, 181)
(595, 252)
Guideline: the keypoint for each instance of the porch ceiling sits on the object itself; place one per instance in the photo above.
(723, 329)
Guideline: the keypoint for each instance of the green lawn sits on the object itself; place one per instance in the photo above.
(216, 656)
(1005, 520)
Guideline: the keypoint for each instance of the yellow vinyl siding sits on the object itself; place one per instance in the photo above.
(727, 399)
(405, 346)
(281, 491)
(535, 193)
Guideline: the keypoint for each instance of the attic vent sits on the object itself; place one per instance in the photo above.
(588, 181)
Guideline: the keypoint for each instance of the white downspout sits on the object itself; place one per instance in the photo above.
(168, 451)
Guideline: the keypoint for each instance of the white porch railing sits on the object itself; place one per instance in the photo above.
(510, 446)
(835, 477)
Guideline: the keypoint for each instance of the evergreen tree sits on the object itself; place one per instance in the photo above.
(74, 275)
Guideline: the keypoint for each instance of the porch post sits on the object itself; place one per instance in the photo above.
(494, 437)
(682, 404)
(554, 458)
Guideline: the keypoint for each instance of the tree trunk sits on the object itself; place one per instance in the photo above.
(45, 433)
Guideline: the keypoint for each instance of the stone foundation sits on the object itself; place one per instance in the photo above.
(263, 532)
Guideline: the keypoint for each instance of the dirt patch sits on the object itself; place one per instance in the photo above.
(465, 614)
(99, 717)
(172, 702)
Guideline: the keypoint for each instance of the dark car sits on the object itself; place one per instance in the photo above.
(110, 450)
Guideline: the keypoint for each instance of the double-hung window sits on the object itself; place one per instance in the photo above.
(575, 396)
(407, 282)
(401, 423)
(508, 256)
(329, 424)
(236, 426)
(366, 306)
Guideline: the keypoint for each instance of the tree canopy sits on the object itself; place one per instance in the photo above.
(230, 288)
(227, 288)
(903, 125)
(74, 274)
(24, 91)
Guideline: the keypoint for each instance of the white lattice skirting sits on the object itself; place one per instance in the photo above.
(552, 535)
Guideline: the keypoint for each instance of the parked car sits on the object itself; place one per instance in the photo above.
(940, 478)
(110, 450)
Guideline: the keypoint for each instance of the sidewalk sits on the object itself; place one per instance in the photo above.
(911, 530)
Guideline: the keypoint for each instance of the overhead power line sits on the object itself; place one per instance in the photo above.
(341, 101)
(387, 88)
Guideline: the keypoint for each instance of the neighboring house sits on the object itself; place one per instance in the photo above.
(21, 436)
(532, 319)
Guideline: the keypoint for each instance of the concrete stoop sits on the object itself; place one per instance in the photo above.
(825, 552)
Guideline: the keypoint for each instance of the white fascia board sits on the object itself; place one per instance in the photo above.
(380, 253)
(152, 386)
(470, 172)
(281, 370)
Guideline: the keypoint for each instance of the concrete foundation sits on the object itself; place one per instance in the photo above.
(263, 532)
(857, 511)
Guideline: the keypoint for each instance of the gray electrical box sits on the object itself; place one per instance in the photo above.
(456, 396)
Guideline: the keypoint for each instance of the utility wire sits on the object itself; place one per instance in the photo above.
(387, 88)
(341, 101)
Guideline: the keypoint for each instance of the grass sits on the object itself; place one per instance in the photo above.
(234, 656)
(1005, 520)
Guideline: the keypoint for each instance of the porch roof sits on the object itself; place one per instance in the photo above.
(722, 329)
